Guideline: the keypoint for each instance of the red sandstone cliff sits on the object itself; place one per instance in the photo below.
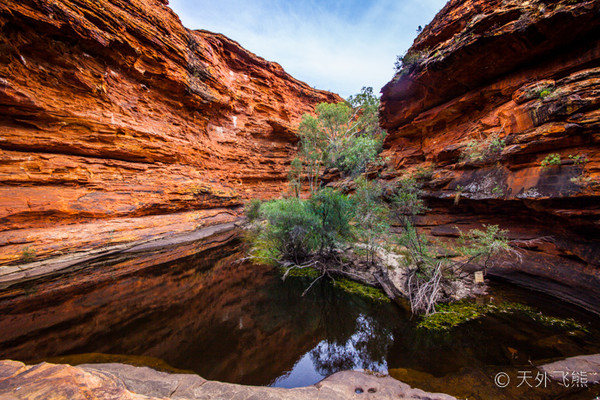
(117, 123)
(527, 74)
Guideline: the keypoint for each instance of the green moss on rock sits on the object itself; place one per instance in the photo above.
(448, 316)
(361, 290)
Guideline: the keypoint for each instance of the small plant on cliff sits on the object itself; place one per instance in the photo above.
(550, 160)
(28, 254)
(424, 173)
(410, 60)
(545, 93)
(486, 149)
(497, 191)
(578, 159)
(582, 179)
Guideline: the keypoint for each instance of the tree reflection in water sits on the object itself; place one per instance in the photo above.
(351, 341)
(365, 349)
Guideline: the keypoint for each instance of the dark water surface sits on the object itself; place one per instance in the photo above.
(238, 322)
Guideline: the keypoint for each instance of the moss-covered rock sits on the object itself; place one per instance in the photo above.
(448, 316)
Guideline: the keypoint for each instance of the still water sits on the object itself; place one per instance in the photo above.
(238, 322)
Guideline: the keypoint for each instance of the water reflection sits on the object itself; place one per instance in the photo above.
(365, 349)
(207, 313)
(238, 322)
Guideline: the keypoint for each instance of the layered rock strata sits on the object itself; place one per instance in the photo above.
(118, 124)
(496, 110)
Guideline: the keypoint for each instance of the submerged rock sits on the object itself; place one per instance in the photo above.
(120, 381)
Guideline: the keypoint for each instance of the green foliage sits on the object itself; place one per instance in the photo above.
(371, 216)
(424, 173)
(345, 135)
(301, 272)
(448, 316)
(495, 144)
(367, 106)
(407, 198)
(252, 209)
(578, 159)
(479, 150)
(410, 60)
(482, 245)
(293, 228)
(551, 159)
(289, 231)
(362, 290)
(358, 153)
(582, 180)
(545, 93)
(334, 211)
(419, 251)
(28, 255)
(295, 176)
(497, 191)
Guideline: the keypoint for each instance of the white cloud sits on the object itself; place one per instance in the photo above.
(338, 45)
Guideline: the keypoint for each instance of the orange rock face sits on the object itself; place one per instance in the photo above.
(497, 108)
(111, 109)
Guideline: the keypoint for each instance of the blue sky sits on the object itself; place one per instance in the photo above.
(337, 45)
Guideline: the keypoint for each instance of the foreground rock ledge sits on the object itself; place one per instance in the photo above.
(120, 381)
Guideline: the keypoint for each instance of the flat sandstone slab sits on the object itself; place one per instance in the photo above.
(588, 365)
(120, 381)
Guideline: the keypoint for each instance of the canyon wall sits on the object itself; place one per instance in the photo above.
(496, 111)
(118, 124)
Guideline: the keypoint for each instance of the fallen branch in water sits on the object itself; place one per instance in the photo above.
(301, 266)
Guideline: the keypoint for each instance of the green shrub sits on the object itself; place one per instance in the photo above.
(252, 209)
(410, 60)
(345, 135)
(424, 173)
(289, 231)
(545, 93)
(551, 159)
(372, 216)
(578, 159)
(495, 144)
(482, 245)
(293, 229)
(497, 191)
(357, 153)
(334, 212)
(28, 255)
(407, 199)
(479, 150)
